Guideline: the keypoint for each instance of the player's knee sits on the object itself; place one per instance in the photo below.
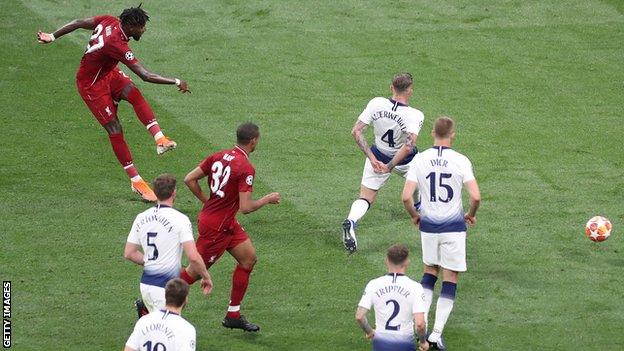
(113, 127)
(250, 261)
(133, 95)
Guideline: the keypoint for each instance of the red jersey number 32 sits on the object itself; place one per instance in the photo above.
(220, 177)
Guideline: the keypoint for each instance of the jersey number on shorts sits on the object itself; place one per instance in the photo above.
(159, 346)
(97, 35)
(151, 236)
(220, 177)
(432, 187)
(395, 312)
(390, 135)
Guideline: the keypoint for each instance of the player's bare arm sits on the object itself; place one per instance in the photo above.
(472, 188)
(86, 23)
(192, 182)
(408, 200)
(360, 317)
(128, 348)
(249, 205)
(155, 78)
(358, 134)
(197, 265)
(133, 254)
(421, 331)
(405, 150)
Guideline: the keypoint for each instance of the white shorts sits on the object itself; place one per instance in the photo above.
(375, 181)
(153, 297)
(447, 250)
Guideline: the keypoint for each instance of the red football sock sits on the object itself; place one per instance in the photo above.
(143, 110)
(121, 150)
(240, 281)
(186, 277)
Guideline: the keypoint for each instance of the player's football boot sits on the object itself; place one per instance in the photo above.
(142, 188)
(140, 307)
(439, 345)
(240, 323)
(164, 144)
(348, 237)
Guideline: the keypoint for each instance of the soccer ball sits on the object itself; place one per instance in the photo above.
(598, 228)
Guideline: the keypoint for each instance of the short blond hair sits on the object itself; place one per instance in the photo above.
(443, 127)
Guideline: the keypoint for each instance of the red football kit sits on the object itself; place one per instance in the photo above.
(99, 80)
(229, 172)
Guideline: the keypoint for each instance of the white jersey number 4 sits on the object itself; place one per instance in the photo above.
(220, 177)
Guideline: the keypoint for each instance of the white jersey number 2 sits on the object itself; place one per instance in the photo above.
(220, 177)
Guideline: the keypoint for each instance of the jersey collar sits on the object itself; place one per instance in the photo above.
(241, 150)
(394, 102)
(166, 312)
(123, 34)
(162, 206)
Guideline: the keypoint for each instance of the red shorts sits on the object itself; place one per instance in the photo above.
(102, 97)
(212, 243)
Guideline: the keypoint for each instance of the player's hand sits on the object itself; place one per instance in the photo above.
(470, 219)
(379, 167)
(416, 220)
(273, 198)
(183, 87)
(370, 335)
(44, 38)
(206, 285)
(423, 346)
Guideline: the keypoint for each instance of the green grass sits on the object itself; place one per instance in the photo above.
(536, 89)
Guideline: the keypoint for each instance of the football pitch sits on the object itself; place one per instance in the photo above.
(536, 89)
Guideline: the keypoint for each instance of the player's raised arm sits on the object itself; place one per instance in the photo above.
(408, 199)
(358, 134)
(405, 150)
(155, 78)
(248, 204)
(192, 182)
(197, 265)
(86, 23)
(472, 188)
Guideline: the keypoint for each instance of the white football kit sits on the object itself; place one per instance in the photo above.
(391, 121)
(160, 231)
(163, 331)
(441, 173)
(395, 298)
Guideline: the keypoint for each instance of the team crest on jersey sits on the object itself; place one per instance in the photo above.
(129, 56)
(249, 180)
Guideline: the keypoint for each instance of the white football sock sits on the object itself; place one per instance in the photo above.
(443, 311)
(428, 294)
(158, 135)
(136, 178)
(358, 209)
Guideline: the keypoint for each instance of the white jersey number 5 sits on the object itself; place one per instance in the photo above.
(220, 177)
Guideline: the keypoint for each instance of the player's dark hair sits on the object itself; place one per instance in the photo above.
(397, 254)
(176, 292)
(164, 186)
(245, 132)
(443, 127)
(134, 16)
(402, 81)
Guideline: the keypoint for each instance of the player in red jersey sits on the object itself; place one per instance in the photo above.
(101, 84)
(230, 178)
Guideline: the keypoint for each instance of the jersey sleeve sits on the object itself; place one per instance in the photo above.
(416, 122)
(133, 236)
(134, 341)
(411, 174)
(419, 300)
(206, 164)
(245, 183)
(367, 298)
(99, 19)
(367, 115)
(186, 230)
(120, 51)
(467, 172)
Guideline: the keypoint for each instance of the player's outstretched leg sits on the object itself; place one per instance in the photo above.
(358, 210)
(121, 150)
(245, 254)
(146, 116)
